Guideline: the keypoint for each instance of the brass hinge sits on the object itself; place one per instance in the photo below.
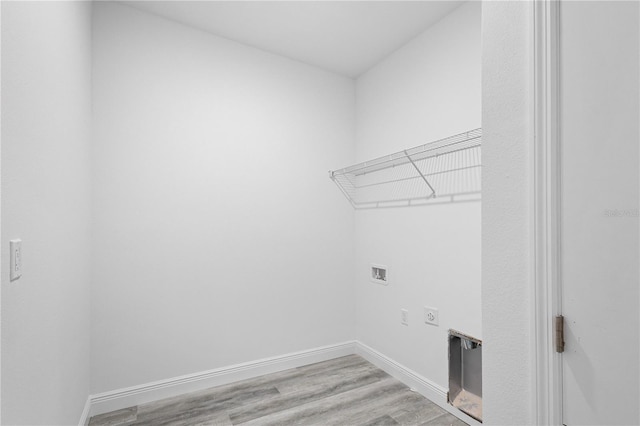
(559, 323)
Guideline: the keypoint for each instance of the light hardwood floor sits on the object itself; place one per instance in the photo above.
(344, 391)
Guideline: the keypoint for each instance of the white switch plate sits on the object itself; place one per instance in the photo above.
(431, 316)
(15, 247)
(404, 316)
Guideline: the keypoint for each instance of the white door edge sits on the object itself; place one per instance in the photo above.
(547, 364)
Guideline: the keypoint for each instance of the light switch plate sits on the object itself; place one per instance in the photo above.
(15, 247)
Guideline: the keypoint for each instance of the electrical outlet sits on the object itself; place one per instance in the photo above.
(404, 316)
(431, 316)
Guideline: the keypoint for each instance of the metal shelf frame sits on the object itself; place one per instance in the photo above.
(447, 167)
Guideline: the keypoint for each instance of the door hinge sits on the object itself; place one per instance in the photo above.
(559, 326)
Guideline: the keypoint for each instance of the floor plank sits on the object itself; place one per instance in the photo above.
(332, 408)
(342, 391)
(116, 418)
(307, 392)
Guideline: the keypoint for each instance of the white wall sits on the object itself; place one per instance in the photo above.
(46, 107)
(427, 90)
(219, 237)
(507, 283)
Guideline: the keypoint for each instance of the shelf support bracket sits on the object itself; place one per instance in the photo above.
(433, 191)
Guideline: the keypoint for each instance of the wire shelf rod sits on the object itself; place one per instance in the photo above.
(445, 167)
(400, 158)
(414, 177)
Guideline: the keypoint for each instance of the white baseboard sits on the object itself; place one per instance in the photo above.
(140, 394)
(415, 381)
(425, 387)
(84, 417)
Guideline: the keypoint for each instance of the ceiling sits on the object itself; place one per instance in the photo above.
(346, 37)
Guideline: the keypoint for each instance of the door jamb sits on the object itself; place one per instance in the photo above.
(547, 363)
(1, 211)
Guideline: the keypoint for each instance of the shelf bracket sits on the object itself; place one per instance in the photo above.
(433, 191)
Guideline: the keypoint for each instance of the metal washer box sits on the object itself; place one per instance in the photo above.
(465, 374)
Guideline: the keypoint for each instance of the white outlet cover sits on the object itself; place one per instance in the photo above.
(431, 316)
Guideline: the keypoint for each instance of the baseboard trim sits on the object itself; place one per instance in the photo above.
(425, 387)
(84, 417)
(140, 394)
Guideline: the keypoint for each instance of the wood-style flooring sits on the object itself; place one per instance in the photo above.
(343, 392)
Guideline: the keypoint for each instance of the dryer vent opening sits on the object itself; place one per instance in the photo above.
(465, 374)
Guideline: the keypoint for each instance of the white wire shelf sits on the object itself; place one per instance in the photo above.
(446, 169)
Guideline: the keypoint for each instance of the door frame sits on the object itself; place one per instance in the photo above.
(1, 263)
(547, 202)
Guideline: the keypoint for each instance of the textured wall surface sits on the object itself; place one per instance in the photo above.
(507, 282)
(46, 119)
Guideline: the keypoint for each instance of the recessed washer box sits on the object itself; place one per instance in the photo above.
(379, 274)
(465, 374)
